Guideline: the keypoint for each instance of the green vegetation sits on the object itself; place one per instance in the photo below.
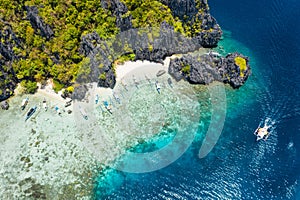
(241, 62)
(69, 20)
(70, 89)
(58, 57)
(151, 13)
(29, 86)
(57, 86)
(186, 69)
(102, 76)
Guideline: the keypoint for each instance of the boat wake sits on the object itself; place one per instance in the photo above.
(269, 124)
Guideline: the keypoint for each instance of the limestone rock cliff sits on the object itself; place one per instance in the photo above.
(118, 9)
(8, 80)
(196, 12)
(233, 69)
(37, 22)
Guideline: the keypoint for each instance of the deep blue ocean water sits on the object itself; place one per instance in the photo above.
(238, 167)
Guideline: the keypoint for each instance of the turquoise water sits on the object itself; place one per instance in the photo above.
(111, 180)
(244, 113)
(238, 167)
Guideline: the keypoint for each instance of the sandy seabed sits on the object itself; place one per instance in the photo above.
(45, 157)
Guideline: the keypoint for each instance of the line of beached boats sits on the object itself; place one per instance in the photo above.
(44, 106)
(107, 104)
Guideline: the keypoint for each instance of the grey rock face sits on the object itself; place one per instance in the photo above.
(184, 9)
(208, 68)
(118, 9)
(100, 55)
(4, 105)
(190, 12)
(231, 72)
(8, 80)
(37, 23)
(103, 53)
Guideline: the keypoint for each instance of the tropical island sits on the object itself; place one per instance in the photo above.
(71, 44)
(56, 40)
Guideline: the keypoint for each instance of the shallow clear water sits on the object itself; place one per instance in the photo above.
(238, 167)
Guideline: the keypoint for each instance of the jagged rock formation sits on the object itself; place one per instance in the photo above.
(98, 53)
(231, 72)
(153, 45)
(37, 23)
(145, 46)
(4, 105)
(166, 44)
(118, 9)
(194, 12)
(8, 80)
(184, 9)
(208, 68)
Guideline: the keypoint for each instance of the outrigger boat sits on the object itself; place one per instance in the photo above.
(262, 133)
(170, 82)
(160, 73)
(45, 105)
(148, 79)
(101, 108)
(135, 81)
(97, 99)
(68, 103)
(57, 110)
(157, 87)
(111, 102)
(83, 113)
(30, 112)
(24, 103)
(124, 84)
(117, 98)
(107, 106)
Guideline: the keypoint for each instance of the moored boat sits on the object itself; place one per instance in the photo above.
(30, 112)
(97, 99)
(57, 110)
(117, 98)
(160, 73)
(68, 103)
(170, 82)
(24, 103)
(83, 113)
(45, 105)
(135, 81)
(124, 84)
(157, 85)
(107, 106)
(148, 79)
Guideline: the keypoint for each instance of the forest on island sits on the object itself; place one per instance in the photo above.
(45, 35)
